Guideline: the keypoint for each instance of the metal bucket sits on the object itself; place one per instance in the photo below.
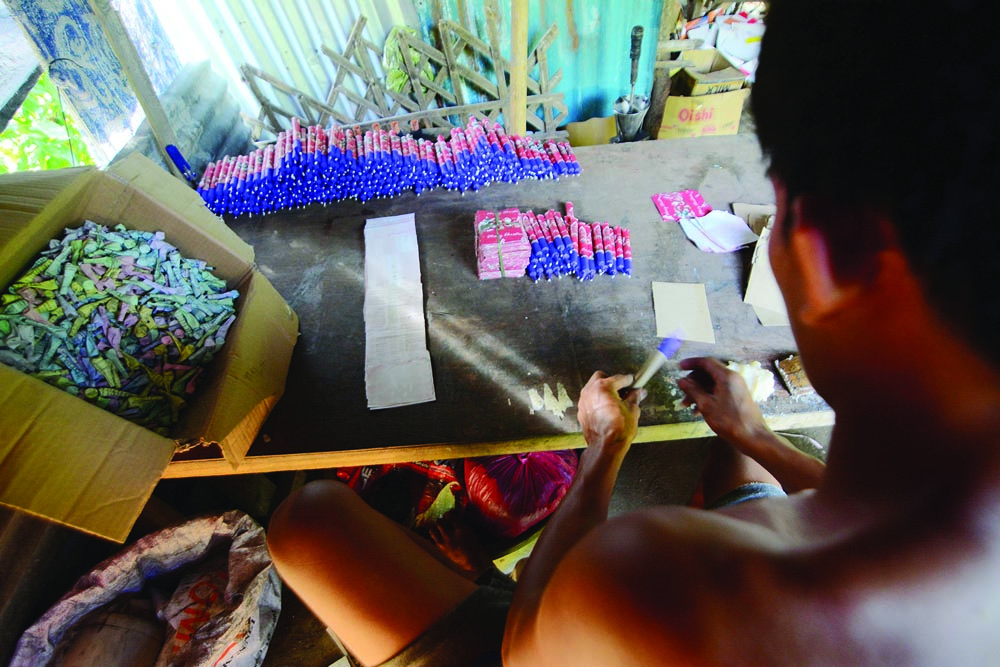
(628, 118)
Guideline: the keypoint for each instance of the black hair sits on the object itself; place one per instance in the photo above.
(894, 106)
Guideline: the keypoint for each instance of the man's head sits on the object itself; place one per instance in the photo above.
(881, 121)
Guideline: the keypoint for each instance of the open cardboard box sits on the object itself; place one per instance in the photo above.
(66, 460)
(706, 99)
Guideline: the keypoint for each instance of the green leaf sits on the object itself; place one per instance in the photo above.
(36, 137)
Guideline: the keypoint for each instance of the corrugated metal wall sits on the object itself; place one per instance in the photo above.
(592, 49)
(284, 38)
(281, 37)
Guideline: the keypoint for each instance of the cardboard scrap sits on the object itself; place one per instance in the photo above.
(763, 293)
(684, 307)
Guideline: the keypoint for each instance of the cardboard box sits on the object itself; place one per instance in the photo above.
(711, 74)
(706, 99)
(703, 116)
(72, 462)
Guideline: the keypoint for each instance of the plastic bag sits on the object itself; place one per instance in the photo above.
(514, 492)
(206, 590)
(415, 495)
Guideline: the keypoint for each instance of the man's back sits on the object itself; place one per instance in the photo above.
(796, 581)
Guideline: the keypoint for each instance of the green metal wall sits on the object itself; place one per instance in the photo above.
(592, 48)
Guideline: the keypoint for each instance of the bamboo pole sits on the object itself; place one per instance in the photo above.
(517, 110)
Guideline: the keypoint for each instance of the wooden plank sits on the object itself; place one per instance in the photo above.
(451, 58)
(543, 83)
(477, 80)
(338, 81)
(672, 45)
(516, 115)
(493, 26)
(471, 40)
(375, 88)
(375, 91)
(438, 451)
(413, 70)
(479, 107)
(135, 72)
(249, 73)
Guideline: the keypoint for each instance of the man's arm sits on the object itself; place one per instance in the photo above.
(609, 426)
(722, 397)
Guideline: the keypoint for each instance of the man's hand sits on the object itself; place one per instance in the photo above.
(609, 421)
(723, 399)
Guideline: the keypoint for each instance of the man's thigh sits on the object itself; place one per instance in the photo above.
(359, 572)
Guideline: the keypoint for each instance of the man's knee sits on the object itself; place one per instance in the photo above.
(313, 508)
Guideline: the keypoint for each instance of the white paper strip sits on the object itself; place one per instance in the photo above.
(397, 364)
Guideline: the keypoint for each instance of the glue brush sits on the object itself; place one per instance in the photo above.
(665, 350)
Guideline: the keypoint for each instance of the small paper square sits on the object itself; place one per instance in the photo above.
(682, 306)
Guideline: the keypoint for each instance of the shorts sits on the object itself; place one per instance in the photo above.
(746, 493)
(470, 635)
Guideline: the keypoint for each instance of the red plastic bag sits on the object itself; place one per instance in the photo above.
(514, 492)
(410, 494)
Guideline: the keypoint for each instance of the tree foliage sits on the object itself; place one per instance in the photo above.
(41, 135)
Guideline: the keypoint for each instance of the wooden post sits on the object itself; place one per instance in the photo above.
(516, 112)
(136, 74)
(661, 73)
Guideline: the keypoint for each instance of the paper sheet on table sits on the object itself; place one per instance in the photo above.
(718, 231)
(682, 306)
(762, 289)
(397, 365)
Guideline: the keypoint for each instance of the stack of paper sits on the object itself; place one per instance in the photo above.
(502, 246)
(397, 363)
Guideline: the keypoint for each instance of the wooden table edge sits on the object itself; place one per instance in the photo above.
(380, 455)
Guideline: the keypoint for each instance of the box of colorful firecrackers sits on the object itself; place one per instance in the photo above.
(133, 324)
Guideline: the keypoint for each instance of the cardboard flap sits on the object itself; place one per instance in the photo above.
(48, 469)
(763, 292)
(28, 220)
(248, 384)
(24, 194)
(157, 184)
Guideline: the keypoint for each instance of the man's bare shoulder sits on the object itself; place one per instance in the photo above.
(771, 582)
(678, 574)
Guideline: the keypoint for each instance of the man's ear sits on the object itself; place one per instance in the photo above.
(825, 290)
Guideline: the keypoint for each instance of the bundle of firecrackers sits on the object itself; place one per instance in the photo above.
(502, 246)
(119, 318)
(549, 245)
(316, 164)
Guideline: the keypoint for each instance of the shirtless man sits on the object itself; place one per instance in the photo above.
(887, 250)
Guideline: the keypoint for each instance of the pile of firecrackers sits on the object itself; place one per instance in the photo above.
(512, 243)
(119, 318)
(322, 165)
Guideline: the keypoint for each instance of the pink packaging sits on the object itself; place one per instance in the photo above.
(673, 205)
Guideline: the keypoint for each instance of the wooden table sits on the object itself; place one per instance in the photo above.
(491, 342)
